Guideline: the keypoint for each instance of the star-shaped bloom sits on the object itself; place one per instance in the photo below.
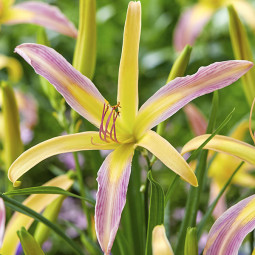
(121, 127)
(36, 13)
(193, 20)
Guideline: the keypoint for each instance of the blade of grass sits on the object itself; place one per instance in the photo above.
(46, 190)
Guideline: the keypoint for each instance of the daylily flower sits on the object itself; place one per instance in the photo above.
(223, 165)
(121, 127)
(193, 20)
(37, 202)
(36, 13)
(226, 234)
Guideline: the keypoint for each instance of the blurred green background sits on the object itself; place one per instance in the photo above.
(159, 18)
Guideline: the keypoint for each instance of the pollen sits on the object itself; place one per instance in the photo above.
(107, 130)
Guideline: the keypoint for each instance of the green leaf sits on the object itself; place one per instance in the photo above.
(242, 50)
(29, 245)
(121, 245)
(85, 49)
(156, 211)
(209, 211)
(132, 215)
(17, 206)
(46, 190)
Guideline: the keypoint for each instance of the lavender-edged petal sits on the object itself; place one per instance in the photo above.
(113, 178)
(41, 14)
(177, 93)
(229, 231)
(79, 92)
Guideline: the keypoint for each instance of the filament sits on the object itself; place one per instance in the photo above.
(104, 133)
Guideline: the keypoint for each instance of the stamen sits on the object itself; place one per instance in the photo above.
(104, 134)
(101, 129)
(116, 114)
(107, 124)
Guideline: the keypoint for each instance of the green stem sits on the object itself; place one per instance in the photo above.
(251, 242)
(171, 188)
(194, 194)
(146, 204)
(82, 192)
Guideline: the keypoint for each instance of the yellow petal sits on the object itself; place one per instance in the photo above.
(128, 71)
(165, 152)
(37, 202)
(13, 66)
(54, 146)
(160, 244)
(228, 145)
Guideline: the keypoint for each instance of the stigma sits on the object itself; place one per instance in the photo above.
(107, 130)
